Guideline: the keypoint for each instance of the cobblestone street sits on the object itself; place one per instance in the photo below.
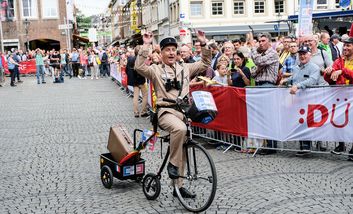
(51, 137)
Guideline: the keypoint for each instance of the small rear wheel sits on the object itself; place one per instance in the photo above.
(151, 186)
(107, 177)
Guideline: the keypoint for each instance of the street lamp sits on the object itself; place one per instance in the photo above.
(27, 23)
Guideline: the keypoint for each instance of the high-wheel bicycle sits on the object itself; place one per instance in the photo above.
(199, 177)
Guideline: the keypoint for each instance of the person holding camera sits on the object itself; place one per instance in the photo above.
(171, 80)
(240, 74)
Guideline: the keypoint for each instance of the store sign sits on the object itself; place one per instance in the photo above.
(345, 3)
(182, 32)
(134, 17)
(92, 35)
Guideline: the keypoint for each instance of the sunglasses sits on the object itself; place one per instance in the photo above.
(147, 35)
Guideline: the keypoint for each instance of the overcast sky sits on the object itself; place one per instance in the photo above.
(92, 7)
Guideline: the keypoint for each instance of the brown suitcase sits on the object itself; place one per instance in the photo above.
(120, 143)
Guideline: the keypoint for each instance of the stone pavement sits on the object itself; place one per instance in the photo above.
(51, 137)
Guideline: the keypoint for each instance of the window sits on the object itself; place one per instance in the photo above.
(7, 10)
(196, 8)
(337, 3)
(217, 8)
(50, 8)
(29, 8)
(279, 6)
(321, 4)
(239, 7)
(259, 7)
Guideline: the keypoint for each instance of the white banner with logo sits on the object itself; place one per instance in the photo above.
(322, 114)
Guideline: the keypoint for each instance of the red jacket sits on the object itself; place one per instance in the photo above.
(346, 73)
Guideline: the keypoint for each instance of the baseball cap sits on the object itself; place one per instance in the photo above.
(304, 49)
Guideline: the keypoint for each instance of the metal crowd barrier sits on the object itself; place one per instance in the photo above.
(244, 145)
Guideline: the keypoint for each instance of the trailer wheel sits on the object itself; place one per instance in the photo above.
(107, 177)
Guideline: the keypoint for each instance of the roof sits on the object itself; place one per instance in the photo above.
(80, 38)
(325, 15)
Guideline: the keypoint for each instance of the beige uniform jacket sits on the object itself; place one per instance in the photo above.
(159, 73)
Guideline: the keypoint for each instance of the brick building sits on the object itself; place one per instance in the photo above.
(44, 18)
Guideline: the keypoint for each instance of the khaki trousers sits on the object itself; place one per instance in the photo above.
(177, 129)
(143, 89)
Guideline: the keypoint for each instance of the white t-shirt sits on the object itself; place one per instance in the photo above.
(223, 80)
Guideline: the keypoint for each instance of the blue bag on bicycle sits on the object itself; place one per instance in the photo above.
(203, 108)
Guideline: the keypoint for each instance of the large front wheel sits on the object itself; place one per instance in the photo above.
(200, 178)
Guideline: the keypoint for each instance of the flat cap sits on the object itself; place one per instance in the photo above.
(168, 42)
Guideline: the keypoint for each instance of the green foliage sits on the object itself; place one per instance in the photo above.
(83, 22)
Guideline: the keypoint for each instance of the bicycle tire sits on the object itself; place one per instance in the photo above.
(203, 184)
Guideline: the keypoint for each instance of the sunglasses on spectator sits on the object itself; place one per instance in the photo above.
(293, 46)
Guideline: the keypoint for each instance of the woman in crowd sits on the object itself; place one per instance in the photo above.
(2, 68)
(84, 62)
(240, 76)
(94, 65)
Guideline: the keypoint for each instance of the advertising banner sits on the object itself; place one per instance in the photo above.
(305, 17)
(316, 114)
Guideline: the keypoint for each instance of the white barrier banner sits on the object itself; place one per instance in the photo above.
(114, 71)
(322, 114)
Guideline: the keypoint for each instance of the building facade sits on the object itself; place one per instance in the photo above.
(220, 19)
(34, 22)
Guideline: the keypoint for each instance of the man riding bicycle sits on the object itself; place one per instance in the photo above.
(171, 80)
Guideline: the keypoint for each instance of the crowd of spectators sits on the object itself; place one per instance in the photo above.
(313, 60)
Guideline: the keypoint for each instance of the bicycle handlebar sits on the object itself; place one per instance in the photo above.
(169, 100)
